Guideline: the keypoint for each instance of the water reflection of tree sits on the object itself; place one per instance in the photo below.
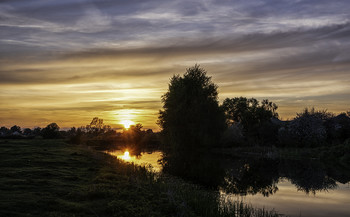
(307, 176)
(252, 177)
(198, 167)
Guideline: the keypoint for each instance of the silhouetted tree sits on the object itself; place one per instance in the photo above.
(308, 129)
(52, 131)
(27, 132)
(15, 128)
(75, 135)
(192, 122)
(4, 131)
(338, 129)
(133, 135)
(133, 138)
(72, 131)
(249, 111)
(37, 131)
(191, 117)
(96, 126)
(255, 117)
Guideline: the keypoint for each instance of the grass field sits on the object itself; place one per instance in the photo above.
(53, 178)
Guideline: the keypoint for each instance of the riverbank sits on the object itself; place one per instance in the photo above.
(336, 154)
(53, 178)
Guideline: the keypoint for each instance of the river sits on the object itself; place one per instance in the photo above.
(291, 187)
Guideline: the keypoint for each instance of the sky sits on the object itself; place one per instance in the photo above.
(69, 61)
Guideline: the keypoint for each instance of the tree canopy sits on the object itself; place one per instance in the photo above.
(191, 116)
(253, 116)
(51, 131)
(249, 112)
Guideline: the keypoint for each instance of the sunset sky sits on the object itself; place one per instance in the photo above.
(68, 61)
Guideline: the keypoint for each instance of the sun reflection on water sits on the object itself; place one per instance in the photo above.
(126, 156)
(149, 160)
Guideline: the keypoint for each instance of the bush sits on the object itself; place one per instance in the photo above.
(307, 129)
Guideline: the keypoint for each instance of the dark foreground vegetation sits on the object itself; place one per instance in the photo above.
(53, 178)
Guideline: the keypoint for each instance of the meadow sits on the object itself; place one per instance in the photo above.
(53, 178)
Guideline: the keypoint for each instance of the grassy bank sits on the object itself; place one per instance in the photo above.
(53, 178)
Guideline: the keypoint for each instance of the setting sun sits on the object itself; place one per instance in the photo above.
(126, 156)
(127, 123)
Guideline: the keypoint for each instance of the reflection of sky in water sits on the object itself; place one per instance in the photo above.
(146, 159)
(288, 200)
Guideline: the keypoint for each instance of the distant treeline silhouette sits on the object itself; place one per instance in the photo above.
(95, 134)
(51, 131)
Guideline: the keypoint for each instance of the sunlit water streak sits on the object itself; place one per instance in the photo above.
(149, 160)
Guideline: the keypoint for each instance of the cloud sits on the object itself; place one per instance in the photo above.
(90, 55)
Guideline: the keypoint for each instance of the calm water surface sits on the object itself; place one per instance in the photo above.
(288, 200)
(294, 188)
(145, 159)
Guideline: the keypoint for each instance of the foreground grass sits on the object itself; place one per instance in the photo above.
(53, 178)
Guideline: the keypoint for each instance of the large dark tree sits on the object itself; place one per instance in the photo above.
(191, 117)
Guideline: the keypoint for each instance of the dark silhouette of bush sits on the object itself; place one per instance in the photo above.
(308, 128)
(75, 136)
(338, 129)
(51, 131)
(15, 129)
(37, 131)
(233, 136)
(4, 131)
(27, 132)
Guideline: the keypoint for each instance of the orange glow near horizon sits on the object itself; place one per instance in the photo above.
(137, 98)
(85, 64)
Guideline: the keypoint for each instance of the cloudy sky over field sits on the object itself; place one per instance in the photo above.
(68, 61)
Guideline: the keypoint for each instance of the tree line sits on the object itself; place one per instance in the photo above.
(192, 117)
(193, 123)
(96, 134)
(51, 131)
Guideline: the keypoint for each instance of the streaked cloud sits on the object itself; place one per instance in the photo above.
(76, 60)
